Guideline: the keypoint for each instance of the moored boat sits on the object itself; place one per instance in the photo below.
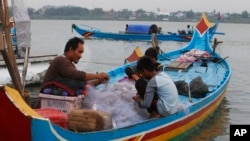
(32, 67)
(139, 32)
(36, 69)
(214, 70)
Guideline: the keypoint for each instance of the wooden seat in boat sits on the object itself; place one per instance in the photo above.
(176, 66)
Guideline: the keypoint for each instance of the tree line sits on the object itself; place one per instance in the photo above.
(80, 13)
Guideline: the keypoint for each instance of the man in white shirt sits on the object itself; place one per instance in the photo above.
(159, 83)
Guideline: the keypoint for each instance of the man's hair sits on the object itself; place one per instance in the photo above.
(73, 43)
(145, 62)
(151, 52)
(140, 86)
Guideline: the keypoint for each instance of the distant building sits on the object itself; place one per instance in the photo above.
(162, 15)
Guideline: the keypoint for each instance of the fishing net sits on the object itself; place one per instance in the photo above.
(117, 101)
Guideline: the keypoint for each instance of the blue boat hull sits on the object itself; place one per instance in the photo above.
(92, 33)
(173, 127)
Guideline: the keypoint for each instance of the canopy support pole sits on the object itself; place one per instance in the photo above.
(6, 46)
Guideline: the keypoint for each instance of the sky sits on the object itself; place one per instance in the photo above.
(232, 6)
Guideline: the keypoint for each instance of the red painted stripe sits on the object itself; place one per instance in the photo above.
(174, 126)
(187, 38)
(131, 139)
(14, 126)
(87, 34)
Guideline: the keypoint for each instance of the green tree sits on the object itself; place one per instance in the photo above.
(245, 14)
(98, 11)
(190, 14)
(140, 13)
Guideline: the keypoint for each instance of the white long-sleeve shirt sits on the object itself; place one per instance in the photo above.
(167, 92)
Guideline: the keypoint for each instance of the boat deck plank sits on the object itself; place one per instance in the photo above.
(175, 66)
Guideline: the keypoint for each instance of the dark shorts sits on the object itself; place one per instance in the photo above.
(153, 106)
(140, 86)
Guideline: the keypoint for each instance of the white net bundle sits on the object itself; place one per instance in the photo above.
(117, 101)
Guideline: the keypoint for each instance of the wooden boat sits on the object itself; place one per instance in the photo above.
(35, 72)
(138, 32)
(20, 122)
(33, 67)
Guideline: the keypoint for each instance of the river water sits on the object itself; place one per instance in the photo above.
(50, 36)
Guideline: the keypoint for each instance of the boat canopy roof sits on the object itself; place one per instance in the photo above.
(138, 28)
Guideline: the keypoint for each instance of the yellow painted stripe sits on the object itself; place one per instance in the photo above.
(205, 20)
(181, 130)
(188, 126)
(87, 35)
(17, 99)
(137, 138)
(138, 51)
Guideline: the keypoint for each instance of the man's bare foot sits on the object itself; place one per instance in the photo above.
(154, 115)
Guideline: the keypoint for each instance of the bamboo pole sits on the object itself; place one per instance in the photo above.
(6, 47)
(25, 65)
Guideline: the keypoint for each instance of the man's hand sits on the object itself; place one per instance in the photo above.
(103, 76)
(137, 98)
